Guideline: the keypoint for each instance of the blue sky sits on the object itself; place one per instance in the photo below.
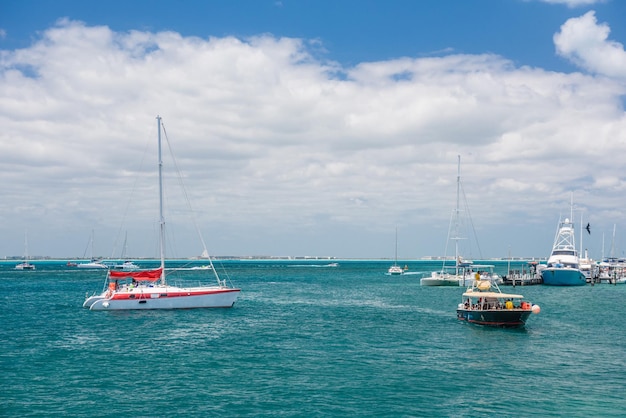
(313, 127)
(350, 31)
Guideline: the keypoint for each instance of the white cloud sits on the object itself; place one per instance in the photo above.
(285, 154)
(586, 43)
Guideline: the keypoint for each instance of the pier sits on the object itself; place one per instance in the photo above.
(523, 277)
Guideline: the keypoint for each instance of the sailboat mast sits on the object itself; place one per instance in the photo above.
(161, 218)
(613, 243)
(456, 217)
(26, 245)
(396, 254)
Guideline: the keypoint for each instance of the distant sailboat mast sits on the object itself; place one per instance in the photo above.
(26, 246)
(456, 217)
(395, 260)
(613, 243)
(161, 218)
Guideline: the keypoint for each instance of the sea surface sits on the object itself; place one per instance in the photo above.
(307, 339)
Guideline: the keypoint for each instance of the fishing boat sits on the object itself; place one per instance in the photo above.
(25, 265)
(458, 274)
(562, 268)
(484, 304)
(149, 289)
(395, 270)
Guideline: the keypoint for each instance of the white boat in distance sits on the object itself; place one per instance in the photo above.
(148, 289)
(395, 270)
(93, 264)
(460, 273)
(126, 265)
(25, 265)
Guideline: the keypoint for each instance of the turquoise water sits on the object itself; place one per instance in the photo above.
(307, 340)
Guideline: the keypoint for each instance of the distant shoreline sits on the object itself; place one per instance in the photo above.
(262, 258)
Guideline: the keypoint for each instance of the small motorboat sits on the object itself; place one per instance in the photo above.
(484, 304)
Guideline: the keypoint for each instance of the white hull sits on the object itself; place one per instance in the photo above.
(395, 271)
(563, 267)
(25, 266)
(439, 280)
(126, 266)
(91, 266)
(164, 297)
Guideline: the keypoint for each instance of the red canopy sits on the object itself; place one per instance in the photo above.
(149, 275)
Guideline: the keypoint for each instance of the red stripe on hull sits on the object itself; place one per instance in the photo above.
(143, 295)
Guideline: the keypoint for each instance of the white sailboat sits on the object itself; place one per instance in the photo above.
(148, 289)
(460, 274)
(94, 263)
(395, 270)
(25, 265)
(126, 264)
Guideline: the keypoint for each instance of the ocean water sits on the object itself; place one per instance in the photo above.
(305, 339)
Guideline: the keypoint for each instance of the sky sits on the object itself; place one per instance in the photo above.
(312, 128)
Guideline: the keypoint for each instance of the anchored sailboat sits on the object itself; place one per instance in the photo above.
(148, 289)
(94, 263)
(25, 265)
(395, 270)
(462, 269)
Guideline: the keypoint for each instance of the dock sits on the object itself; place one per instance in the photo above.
(517, 278)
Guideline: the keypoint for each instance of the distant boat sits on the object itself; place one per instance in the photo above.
(611, 269)
(94, 263)
(563, 267)
(148, 289)
(484, 304)
(25, 265)
(458, 274)
(395, 270)
(206, 267)
(126, 265)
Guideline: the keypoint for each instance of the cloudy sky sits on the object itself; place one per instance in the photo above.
(311, 127)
